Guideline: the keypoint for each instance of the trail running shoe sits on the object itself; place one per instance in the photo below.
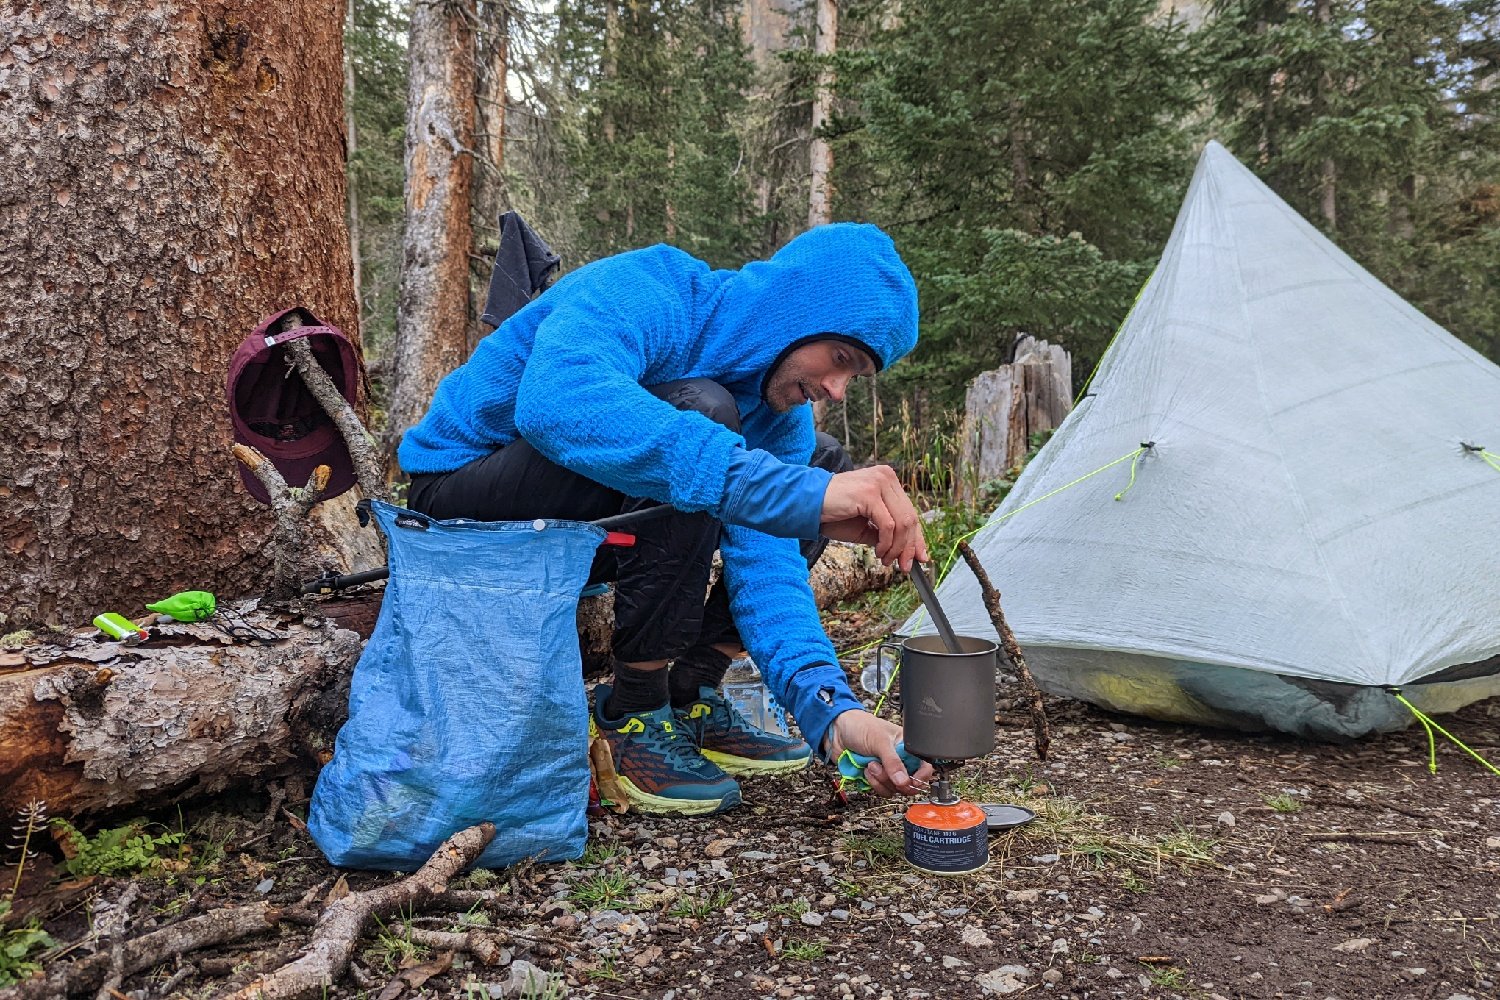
(660, 768)
(732, 742)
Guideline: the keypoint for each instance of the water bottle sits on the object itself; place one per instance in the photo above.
(745, 689)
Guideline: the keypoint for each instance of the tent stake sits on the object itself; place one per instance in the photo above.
(1040, 730)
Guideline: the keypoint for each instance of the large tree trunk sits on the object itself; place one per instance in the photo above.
(92, 727)
(175, 172)
(433, 309)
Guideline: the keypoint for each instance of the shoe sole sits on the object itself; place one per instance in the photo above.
(733, 765)
(660, 805)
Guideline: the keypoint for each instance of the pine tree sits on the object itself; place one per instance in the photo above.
(659, 87)
(1028, 160)
(1370, 117)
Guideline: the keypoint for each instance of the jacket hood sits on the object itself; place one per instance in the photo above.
(843, 280)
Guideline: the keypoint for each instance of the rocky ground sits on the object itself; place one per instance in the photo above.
(1165, 862)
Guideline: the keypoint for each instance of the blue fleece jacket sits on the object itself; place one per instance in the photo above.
(567, 374)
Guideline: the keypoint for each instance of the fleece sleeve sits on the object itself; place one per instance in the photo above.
(581, 403)
(773, 605)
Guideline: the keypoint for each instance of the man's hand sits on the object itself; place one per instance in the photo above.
(870, 507)
(860, 732)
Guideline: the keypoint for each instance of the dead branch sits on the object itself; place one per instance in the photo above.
(216, 928)
(1041, 731)
(1403, 837)
(361, 446)
(291, 547)
(345, 920)
(484, 945)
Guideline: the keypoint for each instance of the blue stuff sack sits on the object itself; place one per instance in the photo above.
(468, 703)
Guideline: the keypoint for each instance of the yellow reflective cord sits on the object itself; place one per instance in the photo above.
(1430, 725)
(1145, 446)
(1100, 363)
(1489, 457)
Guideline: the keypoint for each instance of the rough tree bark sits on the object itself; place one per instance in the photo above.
(1004, 407)
(177, 173)
(432, 315)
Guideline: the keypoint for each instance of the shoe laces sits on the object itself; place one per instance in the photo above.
(663, 736)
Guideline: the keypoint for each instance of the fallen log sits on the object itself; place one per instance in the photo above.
(92, 727)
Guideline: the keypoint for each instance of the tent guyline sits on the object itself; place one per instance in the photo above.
(1429, 724)
(1489, 457)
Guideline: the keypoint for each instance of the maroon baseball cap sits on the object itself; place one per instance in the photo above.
(273, 412)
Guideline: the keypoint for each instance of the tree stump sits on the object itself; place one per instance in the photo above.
(1004, 407)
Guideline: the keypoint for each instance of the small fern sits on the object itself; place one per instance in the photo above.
(121, 850)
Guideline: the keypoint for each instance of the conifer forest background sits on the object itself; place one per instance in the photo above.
(1028, 158)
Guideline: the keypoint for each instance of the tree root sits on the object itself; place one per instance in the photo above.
(339, 928)
(216, 928)
(1041, 731)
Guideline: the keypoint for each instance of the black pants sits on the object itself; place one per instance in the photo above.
(660, 582)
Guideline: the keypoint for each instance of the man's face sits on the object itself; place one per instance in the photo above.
(818, 370)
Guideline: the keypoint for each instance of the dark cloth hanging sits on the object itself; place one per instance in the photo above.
(524, 266)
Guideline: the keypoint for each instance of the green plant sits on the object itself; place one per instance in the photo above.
(1184, 845)
(1166, 761)
(1132, 882)
(15, 640)
(605, 969)
(16, 948)
(795, 908)
(120, 850)
(875, 846)
(29, 821)
(1284, 803)
(602, 889)
(1167, 977)
(698, 907)
(481, 878)
(596, 852)
(804, 951)
(394, 951)
(552, 989)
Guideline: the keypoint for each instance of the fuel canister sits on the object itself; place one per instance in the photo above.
(947, 838)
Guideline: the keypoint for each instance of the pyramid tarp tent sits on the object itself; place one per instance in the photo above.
(1313, 522)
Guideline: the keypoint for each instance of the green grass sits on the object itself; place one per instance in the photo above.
(875, 847)
(1284, 803)
(597, 852)
(804, 951)
(795, 908)
(393, 952)
(1166, 761)
(1167, 977)
(603, 889)
(698, 907)
(1186, 846)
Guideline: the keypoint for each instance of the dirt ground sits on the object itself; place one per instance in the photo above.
(1166, 861)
